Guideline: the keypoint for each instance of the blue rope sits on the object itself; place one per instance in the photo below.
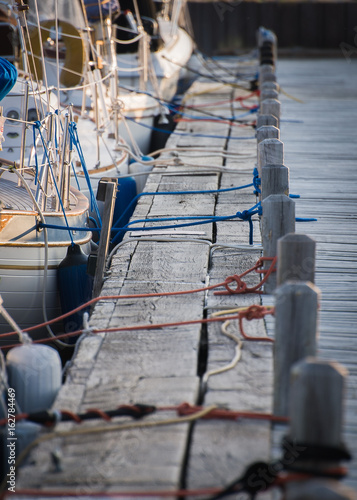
(187, 134)
(72, 127)
(54, 181)
(173, 193)
(256, 181)
(246, 215)
(305, 219)
(92, 219)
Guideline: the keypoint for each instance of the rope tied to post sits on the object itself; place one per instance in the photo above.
(256, 181)
(247, 215)
(241, 286)
(254, 312)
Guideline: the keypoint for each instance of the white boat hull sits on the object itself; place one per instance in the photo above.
(168, 63)
(23, 263)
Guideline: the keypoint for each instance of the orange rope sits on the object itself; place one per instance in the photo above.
(280, 481)
(182, 410)
(225, 101)
(218, 413)
(253, 312)
(241, 288)
(224, 122)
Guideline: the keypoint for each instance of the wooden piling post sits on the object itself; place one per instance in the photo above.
(266, 69)
(316, 423)
(268, 94)
(270, 152)
(274, 180)
(270, 86)
(278, 219)
(271, 107)
(296, 310)
(266, 120)
(296, 256)
(267, 77)
(266, 74)
(107, 191)
(316, 405)
(267, 132)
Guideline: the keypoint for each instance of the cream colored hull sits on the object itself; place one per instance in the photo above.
(24, 273)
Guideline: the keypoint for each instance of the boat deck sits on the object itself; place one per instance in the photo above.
(13, 197)
(176, 363)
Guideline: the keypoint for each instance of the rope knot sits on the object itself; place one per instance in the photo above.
(240, 285)
(37, 124)
(260, 264)
(245, 215)
(254, 312)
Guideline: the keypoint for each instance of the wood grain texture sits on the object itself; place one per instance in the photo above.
(296, 330)
(320, 150)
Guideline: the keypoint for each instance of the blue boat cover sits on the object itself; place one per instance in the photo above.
(8, 77)
(97, 8)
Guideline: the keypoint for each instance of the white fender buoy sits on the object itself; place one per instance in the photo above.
(35, 373)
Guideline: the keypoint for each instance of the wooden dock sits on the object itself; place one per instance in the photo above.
(320, 148)
(174, 364)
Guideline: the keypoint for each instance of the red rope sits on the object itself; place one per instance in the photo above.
(254, 312)
(109, 494)
(183, 409)
(222, 414)
(225, 101)
(100, 414)
(280, 481)
(221, 122)
(72, 415)
(155, 326)
(241, 288)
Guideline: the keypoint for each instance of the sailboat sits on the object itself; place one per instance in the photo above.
(88, 75)
(39, 209)
(160, 48)
(60, 56)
